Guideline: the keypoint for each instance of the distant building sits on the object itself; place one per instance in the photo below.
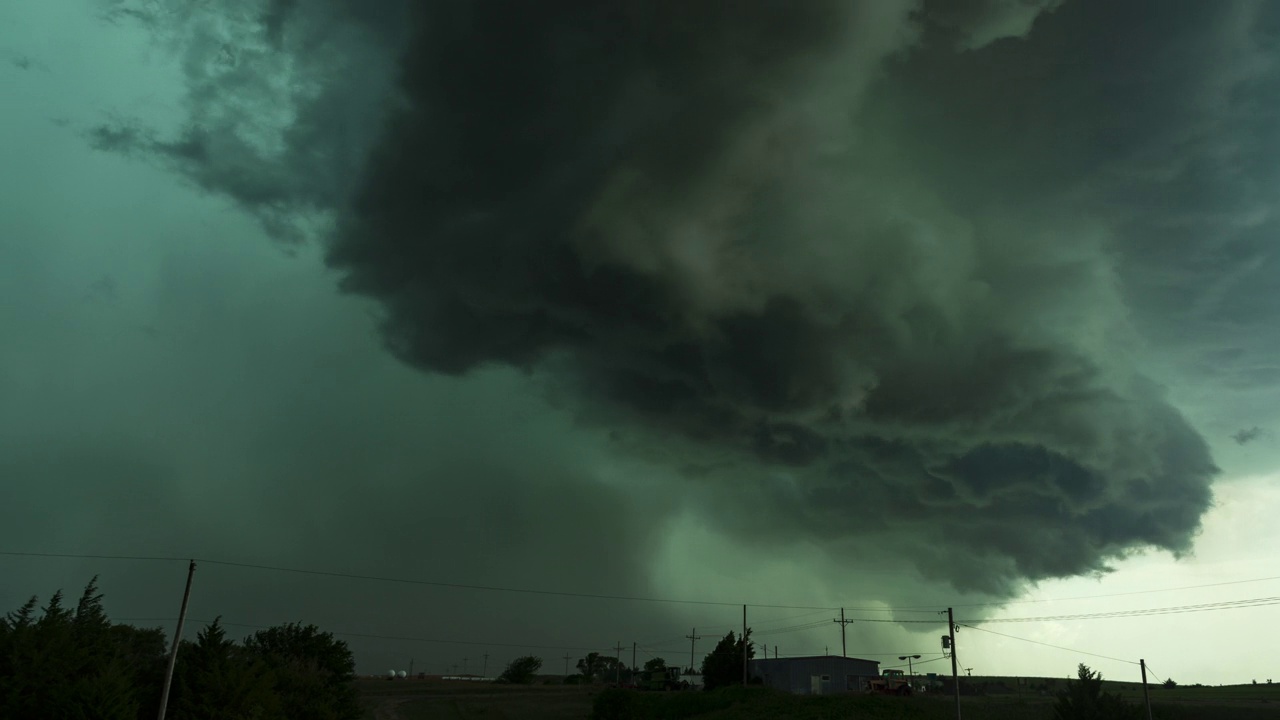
(818, 675)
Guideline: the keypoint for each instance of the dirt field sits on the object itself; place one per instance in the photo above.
(456, 700)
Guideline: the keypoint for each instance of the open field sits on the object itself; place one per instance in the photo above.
(453, 700)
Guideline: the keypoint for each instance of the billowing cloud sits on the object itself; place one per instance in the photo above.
(835, 262)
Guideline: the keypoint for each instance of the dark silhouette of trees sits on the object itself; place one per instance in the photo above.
(217, 679)
(723, 666)
(1084, 699)
(67, 663)
(598, 667)
(314, 673)
(521, 670)
(58, 662)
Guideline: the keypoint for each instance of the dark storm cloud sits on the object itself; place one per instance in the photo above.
(1244, 436)
(1162, 122)
(737, 240)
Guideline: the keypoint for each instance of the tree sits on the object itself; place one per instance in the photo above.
(65, 663)
(314, 673)
(1085, 700)
(1170, 684)
(216, 680)
(655, 664)
(596, 666)
(723, 667)
(521, 670)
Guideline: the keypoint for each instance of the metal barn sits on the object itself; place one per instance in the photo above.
(817, 675)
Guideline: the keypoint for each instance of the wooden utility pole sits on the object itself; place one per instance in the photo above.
(177, 638)
(694, 637)
(411, 667)
(744, 646)
(566, 664)
(1145, 695)
(617, 666)
(484, 671)
(955, 674)
(843, 650)
(633, 656)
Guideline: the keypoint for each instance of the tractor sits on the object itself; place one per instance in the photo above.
(890, 682)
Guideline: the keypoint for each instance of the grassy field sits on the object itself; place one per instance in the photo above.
(452, 700)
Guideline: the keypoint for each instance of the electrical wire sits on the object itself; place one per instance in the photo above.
(917, 663)
(1222, 605)
(1037, 642)
(373, 636)
(1173, 610)
(1106, 595)
(428, 583)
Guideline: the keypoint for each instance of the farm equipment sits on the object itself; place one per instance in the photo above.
(664, 678)
(890, 682)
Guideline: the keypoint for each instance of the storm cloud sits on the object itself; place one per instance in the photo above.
(850, 267)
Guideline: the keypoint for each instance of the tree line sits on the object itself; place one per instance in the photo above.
(58, 661)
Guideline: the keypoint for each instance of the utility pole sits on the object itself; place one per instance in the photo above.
(633, 656)
(410, 667)
(775, 651)
(843, 650)
(484, 672)
(464, 666)
(177, 638)
(744, 646)
(617, 667)
(693, 637)
(1145, 695)
(566, 664)
(955, 674)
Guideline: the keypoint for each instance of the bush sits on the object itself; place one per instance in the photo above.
(1085, 700)
(521, 670)
(314, 673)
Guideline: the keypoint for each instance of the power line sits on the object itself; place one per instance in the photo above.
(1037, 642)
(373, 636)
(1172, 610)
(99, 557)
(918, 663)
(1250, 602)
(429, 583)
(998, 603)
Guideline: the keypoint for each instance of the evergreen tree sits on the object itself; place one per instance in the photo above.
(1084, 699)
(64, 664)
(723, 667)
(218, 680)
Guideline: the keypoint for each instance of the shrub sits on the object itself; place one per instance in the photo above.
(521, 670)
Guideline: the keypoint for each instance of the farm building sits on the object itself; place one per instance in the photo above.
(817, 675)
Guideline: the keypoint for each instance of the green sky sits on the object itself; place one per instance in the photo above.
(884, 305)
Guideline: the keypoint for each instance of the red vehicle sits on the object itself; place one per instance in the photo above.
(890, 682)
